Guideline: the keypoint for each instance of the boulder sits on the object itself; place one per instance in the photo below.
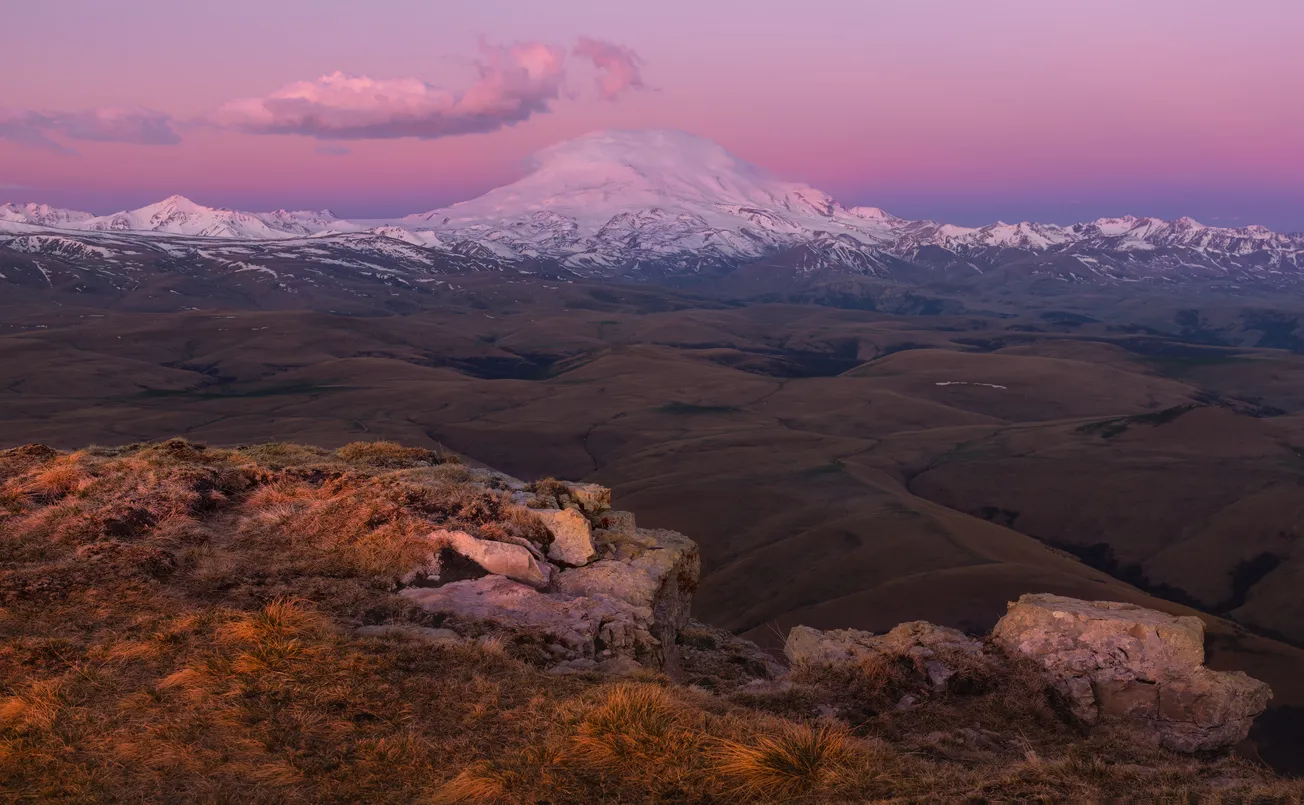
(572, 539)
(500, 558)
(592, 499)
(596, 627)
(1134, 667)
(658, 570)
(937, 652)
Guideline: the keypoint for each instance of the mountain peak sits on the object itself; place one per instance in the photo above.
(597, 176)
(177, 201)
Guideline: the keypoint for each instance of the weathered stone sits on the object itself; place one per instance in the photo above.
(1078, 634)
(593, 627)
(500, 558)
(572, 540)
(1134, 667)
(580, 665)
(719, 660)
(593, 499)
(616, 521)
(660, 575)
(526, 544)
(935, 651)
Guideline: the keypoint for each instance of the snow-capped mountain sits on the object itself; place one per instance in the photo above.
(619, 198)
(178, 215)
(669, 201)
(646, 205)
(42, 215)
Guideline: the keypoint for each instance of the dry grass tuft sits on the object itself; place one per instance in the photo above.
(791, 763)
(387, 455)
(634, 724)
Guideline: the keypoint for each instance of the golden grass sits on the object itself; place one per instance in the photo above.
(176, 625)
(792, 762)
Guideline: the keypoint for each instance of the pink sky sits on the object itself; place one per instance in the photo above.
(952, 109)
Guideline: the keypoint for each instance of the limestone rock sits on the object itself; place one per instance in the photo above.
(659, 572)
(1135, 667)
(593, 499)
(1078, 634)
(596, 627)
(572, 539)
(935, 651)
(504, 559)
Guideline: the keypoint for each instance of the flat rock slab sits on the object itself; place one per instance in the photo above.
(594, 627)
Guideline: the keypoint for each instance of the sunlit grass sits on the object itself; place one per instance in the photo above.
(177, 625)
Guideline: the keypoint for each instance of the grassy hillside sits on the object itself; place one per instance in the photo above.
(178, 624)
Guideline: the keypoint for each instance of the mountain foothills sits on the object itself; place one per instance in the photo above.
(640, 206)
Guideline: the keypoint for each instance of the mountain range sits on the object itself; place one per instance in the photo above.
(653, 205)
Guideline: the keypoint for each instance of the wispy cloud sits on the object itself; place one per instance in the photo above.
(21, 127)
(331, 150)
(109, 124)
(514, 84)
(618, 66)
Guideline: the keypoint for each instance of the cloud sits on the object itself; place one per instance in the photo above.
(106, 124)
(118, 124)
(514, 84)
(331, 150)
(25, 128)
(10, 186)
(618, 66)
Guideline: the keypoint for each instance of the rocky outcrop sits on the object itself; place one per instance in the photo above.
(1134, 667)
(1117, 665)
(935, 651)
(592, 596)
(653, 569)
(593, 592)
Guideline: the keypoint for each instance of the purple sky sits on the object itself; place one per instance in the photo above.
(958, 110)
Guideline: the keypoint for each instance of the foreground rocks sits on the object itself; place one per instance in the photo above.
(594, 592)
(591, 595)
(935, 651)
(653, 569)
(1117, 665)
(1134, 667)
